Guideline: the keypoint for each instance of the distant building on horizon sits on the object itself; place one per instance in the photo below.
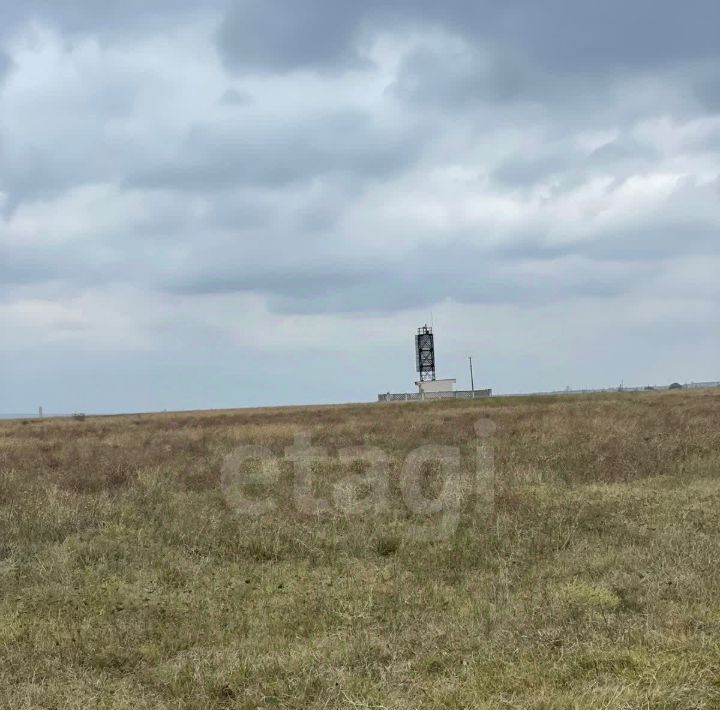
(446, 385)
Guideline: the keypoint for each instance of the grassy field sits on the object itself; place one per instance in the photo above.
(577, 567)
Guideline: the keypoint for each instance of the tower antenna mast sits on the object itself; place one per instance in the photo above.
(425, 354)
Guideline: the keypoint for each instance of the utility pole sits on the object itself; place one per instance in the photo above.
(472, 381)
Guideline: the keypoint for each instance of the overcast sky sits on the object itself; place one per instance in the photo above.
(245, 202)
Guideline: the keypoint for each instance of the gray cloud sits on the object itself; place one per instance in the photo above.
(5, 65)
(563, 36)
(569, 166)
(105, 20)
(293, 279)
(222, 156)
(567, 36)
(707, 89)
(521, 171)
(519, 158)
(289, 34)
(687, 223)
(235, 97)
(465, 78)
(71, 140)
(623, 150)
(418, 282)
(20, 267)
(530, 269)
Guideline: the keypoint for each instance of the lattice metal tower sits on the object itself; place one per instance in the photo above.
(425, 352)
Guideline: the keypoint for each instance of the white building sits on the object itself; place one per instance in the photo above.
(436, 386)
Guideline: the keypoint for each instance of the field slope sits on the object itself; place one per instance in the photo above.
(579, 570)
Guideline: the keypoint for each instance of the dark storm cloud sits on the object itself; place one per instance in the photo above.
(222, 156)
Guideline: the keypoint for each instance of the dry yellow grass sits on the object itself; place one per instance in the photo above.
(587, 578)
